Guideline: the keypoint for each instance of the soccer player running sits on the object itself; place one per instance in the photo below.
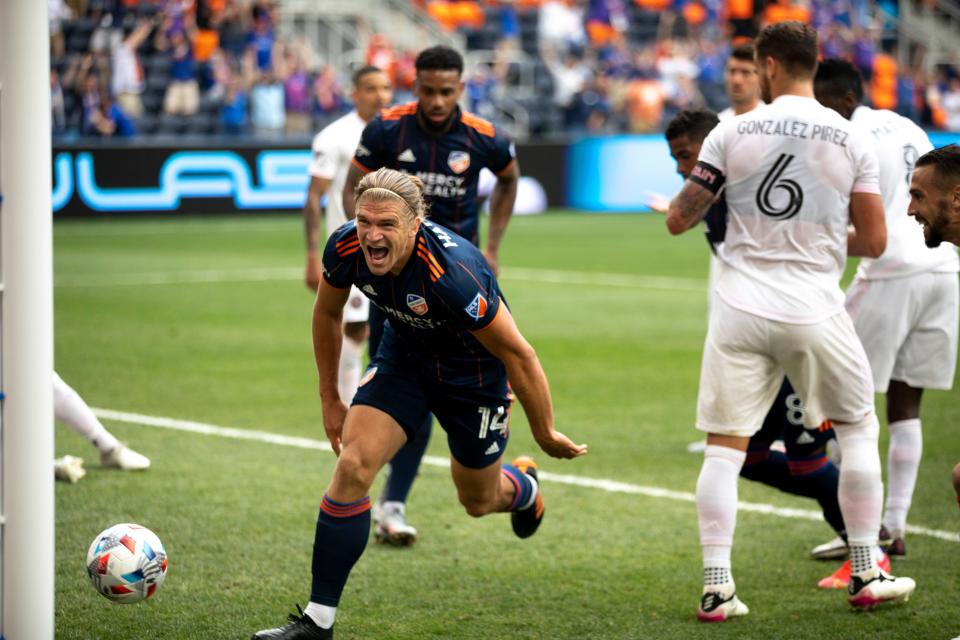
(796, 174)
(450, 348)
(904, 304)
(446, 148)
(803, 466)
(333, 149)
(935, 205)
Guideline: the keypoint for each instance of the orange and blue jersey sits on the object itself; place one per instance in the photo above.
(449, 165)
(445, 292)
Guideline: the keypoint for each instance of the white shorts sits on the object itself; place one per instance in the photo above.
(745, 358)
(908, 327)
(357, 308)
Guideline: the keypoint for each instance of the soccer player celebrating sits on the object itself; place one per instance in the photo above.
(904, 304)
(333, 149)
(450, 347)
(796, 174)
(446, 148)
(935, 195)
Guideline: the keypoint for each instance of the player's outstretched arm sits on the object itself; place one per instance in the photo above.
(501, 208)
(312, 212)
(354, 176)
(327, 340)
(688, 207)
(527, 379)
(869, 236)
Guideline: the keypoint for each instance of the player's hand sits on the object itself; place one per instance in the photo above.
(314, 270)
(334, 414)
(557, 445)
(493, 260)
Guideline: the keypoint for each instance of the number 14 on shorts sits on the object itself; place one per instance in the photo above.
(490, 421)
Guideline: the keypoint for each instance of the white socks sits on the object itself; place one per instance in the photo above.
(321, 614)
(861, 489)
(717, 509)
(903, 463)
(351, 363)
(69, 408)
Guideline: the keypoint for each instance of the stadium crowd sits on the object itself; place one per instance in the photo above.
(200, 67)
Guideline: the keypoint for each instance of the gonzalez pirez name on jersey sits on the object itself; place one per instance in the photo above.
(794, 129)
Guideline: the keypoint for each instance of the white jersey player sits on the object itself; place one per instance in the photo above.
(796, 174)
(333, 151)
(904, 304)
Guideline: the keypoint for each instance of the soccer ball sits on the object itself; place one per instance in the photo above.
(126, 563)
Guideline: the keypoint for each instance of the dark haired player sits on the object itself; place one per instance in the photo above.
(796, 175)
(446, 148)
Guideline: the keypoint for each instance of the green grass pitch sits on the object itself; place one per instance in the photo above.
(207, 319)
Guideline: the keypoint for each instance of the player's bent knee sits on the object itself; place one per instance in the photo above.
(352, 470)
(476, 506)
(867, 428)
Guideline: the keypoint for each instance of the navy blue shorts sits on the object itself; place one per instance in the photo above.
(475, 418)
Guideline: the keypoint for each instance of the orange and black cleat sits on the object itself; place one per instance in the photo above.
(526, 521)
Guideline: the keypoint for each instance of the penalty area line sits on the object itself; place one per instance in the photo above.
(600, 484)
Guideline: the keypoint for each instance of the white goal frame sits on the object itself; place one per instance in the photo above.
(27, 544)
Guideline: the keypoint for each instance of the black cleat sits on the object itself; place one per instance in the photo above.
(526, 521)
(300, 627)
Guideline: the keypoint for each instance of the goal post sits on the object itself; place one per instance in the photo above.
(27, 544)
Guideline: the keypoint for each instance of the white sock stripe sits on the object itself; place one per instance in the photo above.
(533, 494)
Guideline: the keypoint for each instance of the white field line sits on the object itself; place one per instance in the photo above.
(611, 486)
(519, 274)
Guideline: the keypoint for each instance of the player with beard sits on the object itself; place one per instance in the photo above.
(446, 148)
(796, 175)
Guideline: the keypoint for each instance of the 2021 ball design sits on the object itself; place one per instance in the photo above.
(126, 563)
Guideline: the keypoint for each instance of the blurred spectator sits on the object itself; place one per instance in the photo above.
(127, 81)
(950, 102)
(605, 19)
(561, 27)
(380, 54)
(480, 88)
(327, 95)
(57, 13)
(233, 113)
(183, 93)
(58, 113)
(568, 78)
(107, 119)
(296, 91)
(232, 29)
(261, 40)
(267, 114)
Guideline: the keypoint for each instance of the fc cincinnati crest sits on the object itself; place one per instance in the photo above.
(458, 161)
(417, 304)
(477, 308)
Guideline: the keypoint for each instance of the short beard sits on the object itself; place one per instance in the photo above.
(934, 236)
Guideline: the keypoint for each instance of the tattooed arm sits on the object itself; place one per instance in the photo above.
(688, 207)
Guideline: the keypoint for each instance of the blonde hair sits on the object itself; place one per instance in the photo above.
(389, 184)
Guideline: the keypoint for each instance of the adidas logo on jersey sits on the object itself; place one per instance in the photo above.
(492, 449)
(367, 288)
(805, 438)
(407, 156)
